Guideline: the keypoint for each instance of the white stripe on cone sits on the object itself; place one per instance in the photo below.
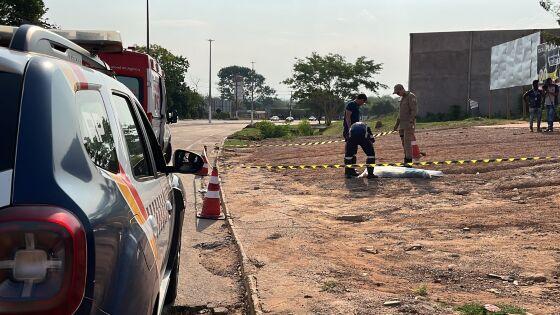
(213, 194)
(214, 180)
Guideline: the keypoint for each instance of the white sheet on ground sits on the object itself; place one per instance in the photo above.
(402, 172)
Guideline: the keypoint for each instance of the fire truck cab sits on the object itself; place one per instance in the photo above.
(141, 73)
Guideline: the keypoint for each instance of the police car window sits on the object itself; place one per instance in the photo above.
(95, 130)
(152, 140)
(133, 84)
(135, 141)
(10, 88)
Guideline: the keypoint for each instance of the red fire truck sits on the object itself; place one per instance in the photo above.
(141, 73)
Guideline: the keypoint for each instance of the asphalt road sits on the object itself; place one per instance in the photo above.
(198, 285)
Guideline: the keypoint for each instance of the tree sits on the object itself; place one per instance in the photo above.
(554, 8)
(187, 102)
(324, 82)
(226, 85)
(18, 12)
(381, 105)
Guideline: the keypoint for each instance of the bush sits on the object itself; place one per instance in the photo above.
(221, 115)
(304, 128)
(251, 134)
(271, 130)
(455, 113)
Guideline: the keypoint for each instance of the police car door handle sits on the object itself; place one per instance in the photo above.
(168, 206)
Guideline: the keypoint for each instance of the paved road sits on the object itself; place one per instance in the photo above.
(198, 286)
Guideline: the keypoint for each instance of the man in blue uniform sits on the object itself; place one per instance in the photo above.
(352, 113)
(534, 100)
(357, 134)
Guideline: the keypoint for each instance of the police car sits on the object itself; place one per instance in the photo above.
(90, 214)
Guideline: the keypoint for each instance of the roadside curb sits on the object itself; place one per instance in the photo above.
(249, 280)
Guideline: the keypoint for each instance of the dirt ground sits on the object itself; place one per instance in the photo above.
(431, 244)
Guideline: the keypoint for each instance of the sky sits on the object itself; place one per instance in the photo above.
(273, 33)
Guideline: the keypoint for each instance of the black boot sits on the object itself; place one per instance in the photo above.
(370, 169)
(350, 172)
(406, 161)
(370, 174)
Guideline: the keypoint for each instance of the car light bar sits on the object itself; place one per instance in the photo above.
(94, 41)
(6, 34)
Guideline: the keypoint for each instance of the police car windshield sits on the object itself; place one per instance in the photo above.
(133, 84)
(10, 88)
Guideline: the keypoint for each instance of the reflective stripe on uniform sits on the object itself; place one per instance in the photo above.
(349, 157)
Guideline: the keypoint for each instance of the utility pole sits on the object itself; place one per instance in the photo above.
(290, 104)
(148, 26)
(210, 84)
(252, 90)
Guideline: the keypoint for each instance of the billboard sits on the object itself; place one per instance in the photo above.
(548, 59)
(515, 63)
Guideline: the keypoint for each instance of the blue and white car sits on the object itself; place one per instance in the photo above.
(90, 214)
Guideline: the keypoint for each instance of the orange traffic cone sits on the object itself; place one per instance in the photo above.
(204, 171)
(211, 205)
(416, 154)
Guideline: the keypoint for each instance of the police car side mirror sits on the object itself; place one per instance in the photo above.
(185, 162)
(171, 118)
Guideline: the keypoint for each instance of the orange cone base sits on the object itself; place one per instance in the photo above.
(211, 210)
(211, 217)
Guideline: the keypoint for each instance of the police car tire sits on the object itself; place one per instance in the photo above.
(174, 281)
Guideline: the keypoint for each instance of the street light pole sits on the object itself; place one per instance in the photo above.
(252, 90)
(210, 85)
(148, 26)
(291, 103)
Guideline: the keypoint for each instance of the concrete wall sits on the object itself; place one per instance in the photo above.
(439, 71)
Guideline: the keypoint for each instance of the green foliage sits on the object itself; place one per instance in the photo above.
(455, 113)
(554, 8)
(221, 115)
(478, 309)
(389, 122)
(233, 142)
(187, 102)
(262, 93)
(271, 130)
(18, 12)
(325, 81)
(330, 286)
(421, 290)
(304, 128)
(267, 130)
(379, 106)
(249, 133)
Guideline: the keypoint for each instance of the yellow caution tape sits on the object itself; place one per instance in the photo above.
(377, 135)
(421, 163)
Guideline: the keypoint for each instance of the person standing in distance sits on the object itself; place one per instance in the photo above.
(406, 123)
(534, 100)
(550, 101)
